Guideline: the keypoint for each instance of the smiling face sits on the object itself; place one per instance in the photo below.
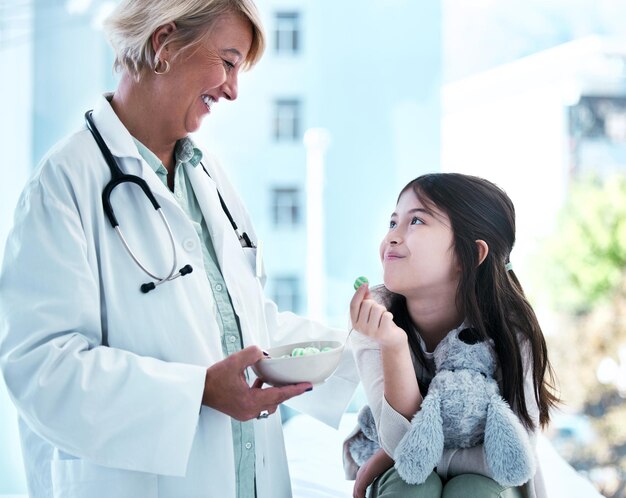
(417, 253)
(203, 75)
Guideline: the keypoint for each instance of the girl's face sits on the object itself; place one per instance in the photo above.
(417, 253)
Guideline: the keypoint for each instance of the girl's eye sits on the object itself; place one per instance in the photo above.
(416, 221)
(392, 224)
(229, 65)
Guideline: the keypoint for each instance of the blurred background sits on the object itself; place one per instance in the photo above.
(352, 100)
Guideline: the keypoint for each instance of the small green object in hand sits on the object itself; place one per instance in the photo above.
(360, 281)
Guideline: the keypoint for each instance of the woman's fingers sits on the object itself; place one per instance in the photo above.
(247, 357)
(257, 384)
(270, 397)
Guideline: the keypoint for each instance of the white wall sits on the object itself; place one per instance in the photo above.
(517, 141)
(510, 126)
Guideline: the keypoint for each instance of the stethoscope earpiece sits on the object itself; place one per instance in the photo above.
(186, 270)
(145, 288)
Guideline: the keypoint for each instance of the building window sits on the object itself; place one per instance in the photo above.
(597, 117)
(286, 207)
(597, 133)
(287, 293)
(287, 120)
(287, 33)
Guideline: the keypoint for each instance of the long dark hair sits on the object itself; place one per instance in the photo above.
(489, 295)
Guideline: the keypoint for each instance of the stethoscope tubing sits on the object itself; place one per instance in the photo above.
(109, 187)
(118, 178)
(136, 260)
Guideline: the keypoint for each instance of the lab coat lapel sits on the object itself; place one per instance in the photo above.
(123, 147)
(115, 134)
(219, 227)
(242, 286)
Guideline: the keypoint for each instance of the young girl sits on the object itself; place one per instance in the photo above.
(446, 265)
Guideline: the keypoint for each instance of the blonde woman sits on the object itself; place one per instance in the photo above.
(125, 333)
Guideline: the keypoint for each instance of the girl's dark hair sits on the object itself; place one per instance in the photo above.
(490, 297)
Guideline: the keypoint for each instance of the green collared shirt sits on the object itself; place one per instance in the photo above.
(243, 432)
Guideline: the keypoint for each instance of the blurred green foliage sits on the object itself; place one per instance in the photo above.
(585, 259)
(582, 267)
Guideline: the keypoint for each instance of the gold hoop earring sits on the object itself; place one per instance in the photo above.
(157, 63)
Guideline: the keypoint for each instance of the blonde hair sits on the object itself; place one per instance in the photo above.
(130, 27)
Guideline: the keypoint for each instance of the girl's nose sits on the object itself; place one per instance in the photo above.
(393, 238)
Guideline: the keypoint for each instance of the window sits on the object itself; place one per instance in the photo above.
(287, 120)
(596, 117)
(287, 34)
(286, 207)
(287, 293)
(597, 133)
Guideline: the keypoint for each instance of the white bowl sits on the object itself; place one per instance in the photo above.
(315, 368)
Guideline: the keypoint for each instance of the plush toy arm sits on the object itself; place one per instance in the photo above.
(420, 449)
(365, 443)
(362, 448)
(367, 423)
(508, 451)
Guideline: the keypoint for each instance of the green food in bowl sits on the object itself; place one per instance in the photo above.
(306, 351)
(312, 361)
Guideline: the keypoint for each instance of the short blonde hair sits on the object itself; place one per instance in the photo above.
(130, 27)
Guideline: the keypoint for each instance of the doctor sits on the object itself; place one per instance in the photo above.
(128, 390)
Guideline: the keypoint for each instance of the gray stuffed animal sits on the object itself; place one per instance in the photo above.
(464, 408)
(365, 443)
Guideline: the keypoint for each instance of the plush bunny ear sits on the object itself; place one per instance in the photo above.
(508, 452)
(470, 336)
(419, 451)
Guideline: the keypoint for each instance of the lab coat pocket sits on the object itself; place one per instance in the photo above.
(254, 255)
(82, 479)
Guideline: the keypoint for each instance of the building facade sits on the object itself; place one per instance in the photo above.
(364, 75)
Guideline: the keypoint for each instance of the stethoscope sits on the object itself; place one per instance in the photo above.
(117, 178)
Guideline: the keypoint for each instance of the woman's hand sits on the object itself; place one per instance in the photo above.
(226, 389)
(373, 320)
(378, 463)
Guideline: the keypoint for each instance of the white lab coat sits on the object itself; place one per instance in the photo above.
(108, 381)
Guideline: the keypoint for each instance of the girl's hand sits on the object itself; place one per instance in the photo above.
(378, 463)
(373, 320)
